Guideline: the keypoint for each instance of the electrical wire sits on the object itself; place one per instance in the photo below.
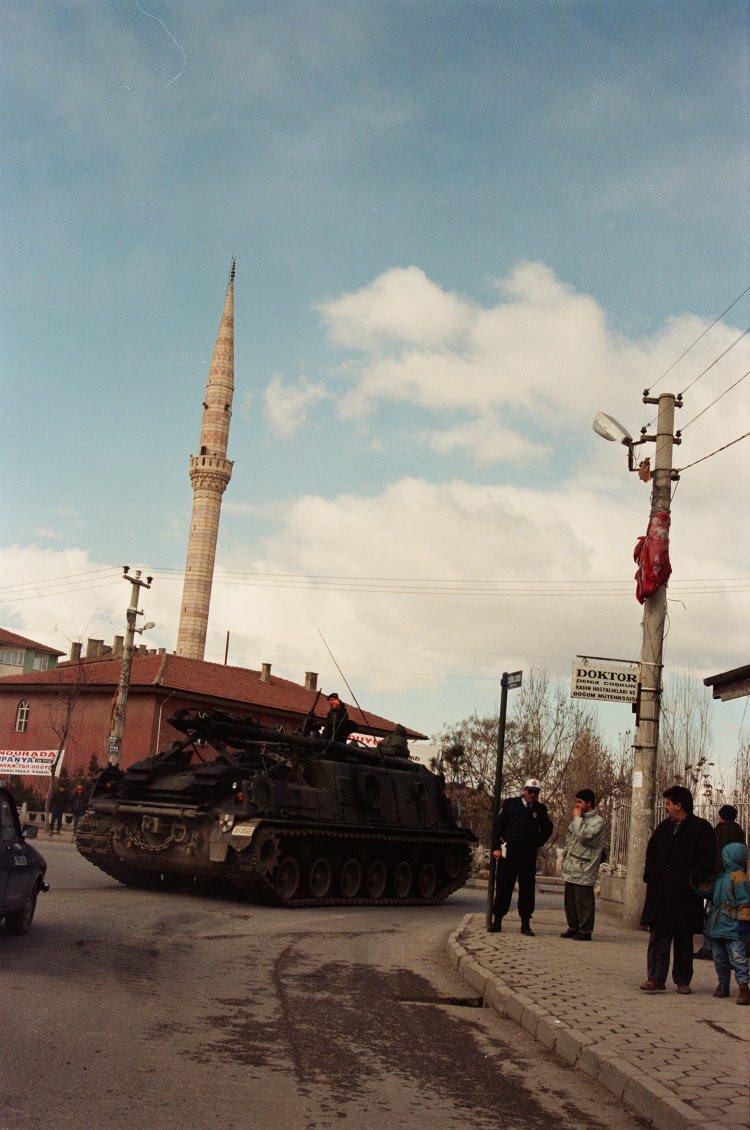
(712, 453)
(715, 400)
(169, 573)
(56, 580)
(55, 592)
(699, 338)
(695, 380)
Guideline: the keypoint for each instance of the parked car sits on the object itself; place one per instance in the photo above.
(22, 869)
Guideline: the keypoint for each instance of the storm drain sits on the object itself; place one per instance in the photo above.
(457, 1002)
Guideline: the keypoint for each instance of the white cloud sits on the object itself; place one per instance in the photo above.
(239, 506)
(543, 351)
(287, 404)
(47, 534)
(485, 440)
(401, 306)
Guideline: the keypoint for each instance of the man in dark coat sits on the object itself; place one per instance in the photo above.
(727, 831)
(79, 803)
(337, 726)
(681, 855)
(523, 825)
(57, 807)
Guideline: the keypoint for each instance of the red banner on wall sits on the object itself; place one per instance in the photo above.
(27, 762)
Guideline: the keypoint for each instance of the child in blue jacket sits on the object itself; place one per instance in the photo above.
(729, 922)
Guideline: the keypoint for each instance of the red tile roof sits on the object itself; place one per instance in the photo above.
(14, 640)
(236, 686)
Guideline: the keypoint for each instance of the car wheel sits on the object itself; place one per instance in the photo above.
(19, 922)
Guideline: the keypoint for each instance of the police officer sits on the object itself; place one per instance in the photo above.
(523, 825)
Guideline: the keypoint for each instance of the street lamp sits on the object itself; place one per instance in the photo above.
(611, 429)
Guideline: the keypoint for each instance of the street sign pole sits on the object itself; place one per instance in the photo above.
(508, 680)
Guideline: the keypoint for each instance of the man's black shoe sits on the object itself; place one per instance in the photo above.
(526, 929)
(703, 954)
(495, 928)
(582, 938)
(569, 934)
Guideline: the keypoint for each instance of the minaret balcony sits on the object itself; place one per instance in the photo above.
(210, 472)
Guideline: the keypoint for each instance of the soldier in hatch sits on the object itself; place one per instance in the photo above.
(395, 744)
(337, 726)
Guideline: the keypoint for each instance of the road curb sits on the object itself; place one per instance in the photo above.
(645, 1097)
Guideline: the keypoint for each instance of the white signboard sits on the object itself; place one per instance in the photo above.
(605, 679)
(365, 739)
(27, 762)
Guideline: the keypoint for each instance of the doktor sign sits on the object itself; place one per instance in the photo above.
(611, 679)
(27, 762)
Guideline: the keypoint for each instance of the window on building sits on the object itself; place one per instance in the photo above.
(41, 662)
(22, 716)
(11, 656)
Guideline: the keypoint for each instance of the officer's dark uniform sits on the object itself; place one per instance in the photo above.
(524, 828)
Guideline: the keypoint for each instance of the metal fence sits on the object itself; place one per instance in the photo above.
(619, 826)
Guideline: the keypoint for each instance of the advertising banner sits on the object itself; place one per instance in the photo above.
(27, 762)
(364, 739)
(615, 681)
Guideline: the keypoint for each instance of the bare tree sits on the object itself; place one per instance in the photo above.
(69, 681)
(742, 770)
(685, 738)
(549, 736)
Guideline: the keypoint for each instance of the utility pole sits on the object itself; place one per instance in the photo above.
(118, 714)
(652, 653)
(508, 680)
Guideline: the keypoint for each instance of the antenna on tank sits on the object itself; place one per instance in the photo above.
(343, 676)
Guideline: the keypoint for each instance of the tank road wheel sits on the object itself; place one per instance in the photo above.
(350, 878)
(320, 878)
(453, 862)
(377, 877)
(402, 879)
(286, 880)
(267, 851)
(427, 881)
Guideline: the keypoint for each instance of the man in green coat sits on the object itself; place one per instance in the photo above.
(582, 858)
(395, 744)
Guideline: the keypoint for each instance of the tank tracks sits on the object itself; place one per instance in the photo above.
(301, 866)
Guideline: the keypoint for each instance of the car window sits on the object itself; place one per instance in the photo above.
(8, 830)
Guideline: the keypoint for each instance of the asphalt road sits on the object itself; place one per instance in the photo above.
(131, 1008)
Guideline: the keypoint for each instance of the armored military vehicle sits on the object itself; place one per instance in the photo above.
(278, 818)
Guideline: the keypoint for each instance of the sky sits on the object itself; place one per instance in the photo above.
(461, 229)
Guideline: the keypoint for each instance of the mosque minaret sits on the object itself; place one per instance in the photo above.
(210, 471)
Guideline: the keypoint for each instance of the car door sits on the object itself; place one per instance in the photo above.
(16, 866)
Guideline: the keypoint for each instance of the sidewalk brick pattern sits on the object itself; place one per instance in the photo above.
(680, 1061)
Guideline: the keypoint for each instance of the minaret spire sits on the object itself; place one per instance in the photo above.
(210, 471)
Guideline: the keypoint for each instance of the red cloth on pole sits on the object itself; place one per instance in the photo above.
(651, 554)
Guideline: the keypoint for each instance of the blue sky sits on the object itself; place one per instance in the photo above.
(563, 185)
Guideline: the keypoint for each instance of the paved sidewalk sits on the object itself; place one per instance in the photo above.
(678, 1061)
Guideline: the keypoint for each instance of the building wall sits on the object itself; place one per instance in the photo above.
(27, 656)
(146, 726)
